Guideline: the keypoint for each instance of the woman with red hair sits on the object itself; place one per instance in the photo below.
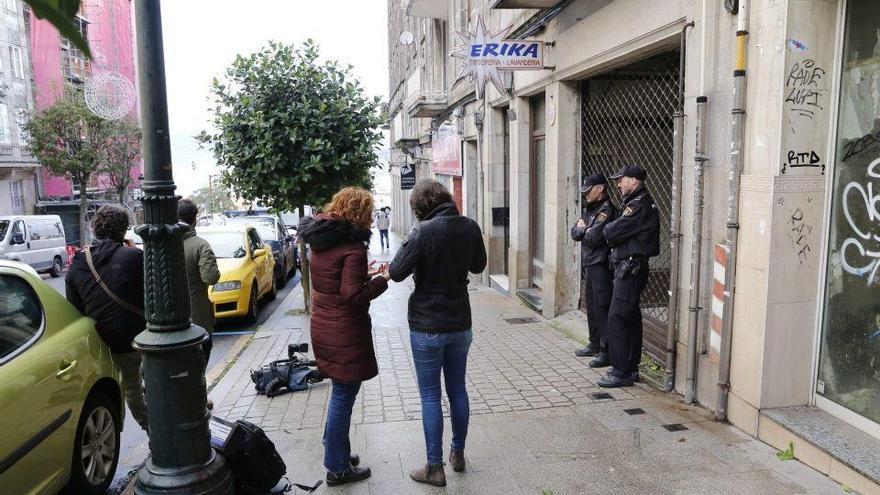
(342, 287)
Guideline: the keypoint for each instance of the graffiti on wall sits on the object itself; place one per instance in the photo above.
(799, 233)
(803, 159)
(803, 88)
(860, 253)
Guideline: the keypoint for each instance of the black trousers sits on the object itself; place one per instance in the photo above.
(598, 301)
(624, 316)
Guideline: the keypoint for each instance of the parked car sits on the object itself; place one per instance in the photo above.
(246, 271)
(61, 404)
(37, 240)
(275, 234)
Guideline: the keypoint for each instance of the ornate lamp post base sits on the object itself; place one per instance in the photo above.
(182, 460)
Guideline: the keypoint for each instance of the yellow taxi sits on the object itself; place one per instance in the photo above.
(246, 271)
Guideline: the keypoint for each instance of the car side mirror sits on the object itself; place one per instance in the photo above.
(17, 239)
(259, 252)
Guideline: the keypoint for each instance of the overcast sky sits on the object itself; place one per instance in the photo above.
(202, 38)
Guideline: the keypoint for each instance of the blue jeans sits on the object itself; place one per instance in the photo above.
(383, 238)
(337, 449)
(433, 352)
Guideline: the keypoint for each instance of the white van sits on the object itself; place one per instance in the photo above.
(37, 240)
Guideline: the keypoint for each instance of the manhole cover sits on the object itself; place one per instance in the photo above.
(633, 412)
(675, 427)
(521, 321)
(601, 396)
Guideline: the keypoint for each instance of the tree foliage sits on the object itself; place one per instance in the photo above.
(215, 199)
(71, 142)
(291, 130)
(121, 155)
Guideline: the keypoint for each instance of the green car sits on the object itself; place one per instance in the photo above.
(61, 406)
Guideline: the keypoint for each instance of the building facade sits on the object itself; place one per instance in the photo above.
(19, 171)
(108, 25)
(757, 122)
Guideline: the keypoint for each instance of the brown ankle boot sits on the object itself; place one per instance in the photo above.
(432, 474)
(456, 459)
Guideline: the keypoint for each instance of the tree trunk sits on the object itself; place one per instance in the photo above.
(305, 280)
(84, 233)
(121, 193)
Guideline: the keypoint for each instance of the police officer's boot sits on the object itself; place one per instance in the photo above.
(589, 351)
(611, 381)
(600, 361)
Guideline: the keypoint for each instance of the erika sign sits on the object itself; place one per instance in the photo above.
(487, 55)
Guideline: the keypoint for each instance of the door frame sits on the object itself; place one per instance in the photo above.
(533, 191)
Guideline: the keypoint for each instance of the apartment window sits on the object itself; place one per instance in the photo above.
(16, 192)
(4, 125)
(15, 64)
(11, 5)
(74, 64)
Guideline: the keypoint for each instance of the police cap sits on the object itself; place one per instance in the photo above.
(593, 180)
(634, 171)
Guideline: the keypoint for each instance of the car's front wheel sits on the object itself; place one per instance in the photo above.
(96, 447)
(251, 316)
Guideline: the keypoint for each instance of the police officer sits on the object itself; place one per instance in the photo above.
(633, 237)
(597, 212)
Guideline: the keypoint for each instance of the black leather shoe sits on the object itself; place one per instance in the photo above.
(588, 351)
(600, 361)
(611, 381)
(350, 475)
(354, 459)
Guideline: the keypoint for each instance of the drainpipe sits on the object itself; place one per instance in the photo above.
(675, 224)
(737, 131)
(696, 253)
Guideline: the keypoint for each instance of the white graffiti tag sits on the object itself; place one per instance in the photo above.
(866, 261)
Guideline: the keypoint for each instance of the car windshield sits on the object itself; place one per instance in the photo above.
(265, 226)
(4, 226)
(225, 244)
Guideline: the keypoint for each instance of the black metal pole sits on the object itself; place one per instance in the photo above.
(181, 458)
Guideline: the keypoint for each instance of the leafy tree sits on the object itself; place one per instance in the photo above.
(291, 130)
(214, 199)
(121, 155)
(71, 142)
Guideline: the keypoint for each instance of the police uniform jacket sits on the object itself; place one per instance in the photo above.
(594, 249)
(636, 232)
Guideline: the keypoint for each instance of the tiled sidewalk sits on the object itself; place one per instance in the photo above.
(537, 426)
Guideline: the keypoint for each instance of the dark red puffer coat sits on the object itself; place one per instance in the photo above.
(341, 293)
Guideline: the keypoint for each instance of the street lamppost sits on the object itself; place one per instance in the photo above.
(181, 458)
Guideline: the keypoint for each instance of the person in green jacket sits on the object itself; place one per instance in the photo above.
(201, 271)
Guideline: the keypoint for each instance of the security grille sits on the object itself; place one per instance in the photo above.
(627, 118)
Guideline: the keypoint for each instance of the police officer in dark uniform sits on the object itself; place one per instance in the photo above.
(598, 211)
(633, 237)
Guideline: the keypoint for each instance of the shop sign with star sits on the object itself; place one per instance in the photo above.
(487, 55)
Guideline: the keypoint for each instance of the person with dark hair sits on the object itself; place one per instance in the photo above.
(343, 284)
(383, 222)
(106, 283)
(439, 317)
(201, 271)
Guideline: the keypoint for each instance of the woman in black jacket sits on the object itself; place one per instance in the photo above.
(440, 251)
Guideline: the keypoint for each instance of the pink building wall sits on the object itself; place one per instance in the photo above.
(111, 39)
